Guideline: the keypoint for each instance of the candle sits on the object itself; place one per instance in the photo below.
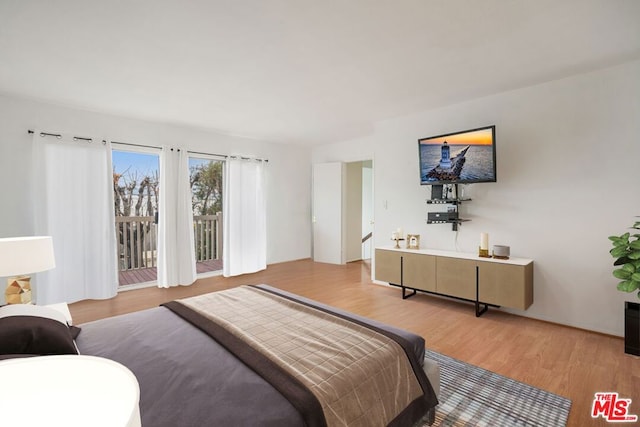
(484, 241)
(399, 231)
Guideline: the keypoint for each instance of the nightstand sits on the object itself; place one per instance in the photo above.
(62, 308)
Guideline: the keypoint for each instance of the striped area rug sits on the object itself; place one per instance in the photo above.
(472, 396)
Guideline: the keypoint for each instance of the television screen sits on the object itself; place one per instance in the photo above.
(458, 158)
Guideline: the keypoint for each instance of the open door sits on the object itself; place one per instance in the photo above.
(328, 242)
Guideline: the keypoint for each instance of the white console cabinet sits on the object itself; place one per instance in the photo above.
(486, 281)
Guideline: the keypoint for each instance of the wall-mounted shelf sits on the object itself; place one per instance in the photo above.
(451, 221)
(446, 201)
(450, 217)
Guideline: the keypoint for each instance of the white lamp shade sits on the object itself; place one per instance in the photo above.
(26, 255)
(70, 391)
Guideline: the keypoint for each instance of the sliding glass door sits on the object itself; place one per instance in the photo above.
(136, 186)
(206, 196)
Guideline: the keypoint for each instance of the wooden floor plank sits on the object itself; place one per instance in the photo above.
(570, 362)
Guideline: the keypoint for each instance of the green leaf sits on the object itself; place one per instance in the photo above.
(617, 240)
(622, 261)
(627, 286)
(619, 252)
(626, 252)
(622, 274)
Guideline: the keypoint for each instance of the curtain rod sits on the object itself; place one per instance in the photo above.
(59, 136)
(226, 156)
(136, 145)
(79, 138)
(249, 158)
(207, 154)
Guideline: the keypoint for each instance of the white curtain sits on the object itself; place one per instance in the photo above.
(73, 203)
(244, 217)
(176, 251)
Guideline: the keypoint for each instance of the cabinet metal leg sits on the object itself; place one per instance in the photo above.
(479, 312)
(405, 295)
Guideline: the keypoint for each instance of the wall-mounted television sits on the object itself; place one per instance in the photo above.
(458, 158)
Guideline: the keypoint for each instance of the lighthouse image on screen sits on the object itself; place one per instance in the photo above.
(461, 157)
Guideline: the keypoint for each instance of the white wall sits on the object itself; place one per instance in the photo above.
(353, 212)
(288, 171)
(568, 153)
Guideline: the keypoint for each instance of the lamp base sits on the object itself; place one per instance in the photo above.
(18, 290)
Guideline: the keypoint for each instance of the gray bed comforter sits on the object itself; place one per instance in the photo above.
(188, 379)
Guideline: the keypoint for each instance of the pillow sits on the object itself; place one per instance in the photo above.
(32, 329)
(75, 331)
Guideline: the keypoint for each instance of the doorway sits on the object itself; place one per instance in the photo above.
(359, 210)
(342, 211)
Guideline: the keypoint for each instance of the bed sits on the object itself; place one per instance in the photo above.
(192, 361)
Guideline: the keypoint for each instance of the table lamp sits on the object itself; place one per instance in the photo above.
(68, 390)
(20, 256)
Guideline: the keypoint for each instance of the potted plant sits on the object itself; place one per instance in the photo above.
(626, 251)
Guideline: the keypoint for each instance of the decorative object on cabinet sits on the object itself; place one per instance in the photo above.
(413, 241)
(501, 251)
(483, 249)
(397, 236)
(20, 256)
(397, 240)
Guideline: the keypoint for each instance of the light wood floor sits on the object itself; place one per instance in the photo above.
(566, 361)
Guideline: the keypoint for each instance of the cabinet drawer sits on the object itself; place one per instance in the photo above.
(506, 285)
(456, 277)
(419, 271)
(388, 266)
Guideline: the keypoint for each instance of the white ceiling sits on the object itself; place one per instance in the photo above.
(299, 71)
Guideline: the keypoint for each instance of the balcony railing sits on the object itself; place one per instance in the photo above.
(207, 233)
(138, 243)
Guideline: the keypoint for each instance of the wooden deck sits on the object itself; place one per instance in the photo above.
(143, 275)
